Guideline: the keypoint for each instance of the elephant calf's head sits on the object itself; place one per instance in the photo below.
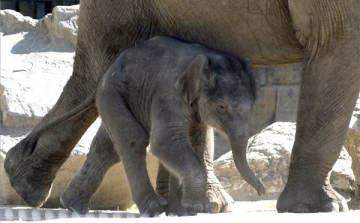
(223, 90)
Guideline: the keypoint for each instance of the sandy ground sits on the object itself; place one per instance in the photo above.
(253, 211)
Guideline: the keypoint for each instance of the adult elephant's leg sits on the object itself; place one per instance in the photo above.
(103, 32)
(202, 140)
(330, 86)
(101, 157)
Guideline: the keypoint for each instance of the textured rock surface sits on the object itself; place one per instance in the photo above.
(352, 145)
(63, 23)
(268, 156)
(355, 119)
(264, 110)
(262, 76)
(33, 73)
(12, 22)
(286, 105)
(285, 75)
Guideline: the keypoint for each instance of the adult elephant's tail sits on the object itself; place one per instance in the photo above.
(34, 136)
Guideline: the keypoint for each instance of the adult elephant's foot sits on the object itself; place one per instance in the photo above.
(298, 199)
(31, 176)
(79, 205)
(221, 201)
(176, 209)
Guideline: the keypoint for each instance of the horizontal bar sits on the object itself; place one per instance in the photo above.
(40, 1)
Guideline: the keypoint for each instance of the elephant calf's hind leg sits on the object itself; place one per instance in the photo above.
(101, 157)
(130, 140)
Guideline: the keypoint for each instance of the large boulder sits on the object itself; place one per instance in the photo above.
(268, 155)
(62, 23)
(13, 22)
(36, 62)
(33, 74)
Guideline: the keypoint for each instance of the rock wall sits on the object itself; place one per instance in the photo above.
(278, 97)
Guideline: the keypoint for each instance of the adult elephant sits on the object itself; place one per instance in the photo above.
(323, 34)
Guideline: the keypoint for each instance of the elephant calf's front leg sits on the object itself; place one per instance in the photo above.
(175, 152)
(202, 140)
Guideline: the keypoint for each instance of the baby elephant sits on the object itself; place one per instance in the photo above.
(166, 92)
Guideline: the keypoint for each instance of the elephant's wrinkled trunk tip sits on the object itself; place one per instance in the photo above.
(261, 189)
(238, 146)
(249, 177)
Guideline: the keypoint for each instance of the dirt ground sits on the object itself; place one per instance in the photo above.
(253, 211)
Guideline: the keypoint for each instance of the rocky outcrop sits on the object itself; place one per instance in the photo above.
(33, 74)
(269, 157)
(352, 145)
(62, 23)
(13, 22)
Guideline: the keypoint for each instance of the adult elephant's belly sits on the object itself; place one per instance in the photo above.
(258, 29)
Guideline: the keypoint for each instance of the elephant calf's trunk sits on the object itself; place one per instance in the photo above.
(238, 147)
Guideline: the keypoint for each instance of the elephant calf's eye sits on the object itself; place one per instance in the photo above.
(221, 108)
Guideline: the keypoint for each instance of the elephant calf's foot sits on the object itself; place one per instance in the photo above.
(221, 201)
(304, 200)
(75, 204)
(153, 206)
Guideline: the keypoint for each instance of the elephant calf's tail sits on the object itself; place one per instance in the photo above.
(33, 137)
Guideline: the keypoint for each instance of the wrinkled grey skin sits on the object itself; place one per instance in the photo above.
(166, 92)
(322, 34)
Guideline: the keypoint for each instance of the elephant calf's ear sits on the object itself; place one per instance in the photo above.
(254, 79)
(188, 84)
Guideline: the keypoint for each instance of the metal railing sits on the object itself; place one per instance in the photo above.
(36, 8)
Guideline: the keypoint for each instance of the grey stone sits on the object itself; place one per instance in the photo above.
(268, 156)
(355, 118)
(262, 76)
(352, 145)
(285, 75)
(33, 74)
(12, 22)
(263, 113)
(287, 103)
(222, 145)
(62, 23)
